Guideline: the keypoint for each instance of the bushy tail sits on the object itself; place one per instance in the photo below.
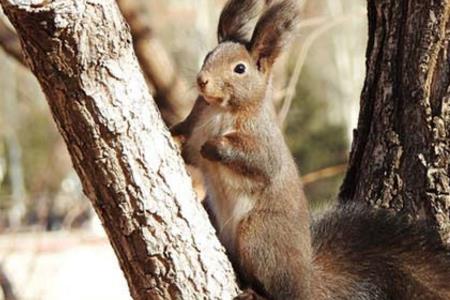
(382, 255)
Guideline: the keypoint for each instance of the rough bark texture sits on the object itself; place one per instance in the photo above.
(82, 54)
(401, 149)
(172, 94)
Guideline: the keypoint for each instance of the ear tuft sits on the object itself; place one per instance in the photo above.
(235, 21)
(273, 32)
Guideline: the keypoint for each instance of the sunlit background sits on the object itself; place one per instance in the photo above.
(51, 244)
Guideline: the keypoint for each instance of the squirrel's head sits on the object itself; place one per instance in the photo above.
(236, 73)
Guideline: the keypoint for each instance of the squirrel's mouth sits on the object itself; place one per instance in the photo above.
(212, 99)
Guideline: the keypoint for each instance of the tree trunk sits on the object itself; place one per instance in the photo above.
(170, 89)
(82, 54)
(172, 94)
(401, 149)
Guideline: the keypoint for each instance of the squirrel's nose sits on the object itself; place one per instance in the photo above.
(202, 81)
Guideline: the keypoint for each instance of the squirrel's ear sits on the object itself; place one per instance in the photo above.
(235, 21)
(273, 32)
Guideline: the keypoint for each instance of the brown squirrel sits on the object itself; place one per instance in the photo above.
(257, 203)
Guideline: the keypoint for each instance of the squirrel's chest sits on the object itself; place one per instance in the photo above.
(229, 193)
(210, 124)
(228, 203)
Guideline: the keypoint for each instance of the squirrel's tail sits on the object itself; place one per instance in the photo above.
(378, 255)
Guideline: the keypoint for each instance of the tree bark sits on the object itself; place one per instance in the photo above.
(401, 149)
(173, 97)
(170, 89)
(82, 54)
(172, 94)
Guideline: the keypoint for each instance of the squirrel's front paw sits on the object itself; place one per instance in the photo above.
(211, 150)
(178, 136)
(249, 294)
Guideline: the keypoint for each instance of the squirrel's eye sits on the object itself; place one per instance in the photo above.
(240, 69)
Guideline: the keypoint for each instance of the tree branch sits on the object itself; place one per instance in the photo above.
(6, 286)
(301, 58)
(400, 153)
(10, 43)
(172, 92)
(82, 55)
(323, 174)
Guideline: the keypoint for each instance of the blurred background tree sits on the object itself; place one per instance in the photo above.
(317, 87)
(319, 82)
(324, 110)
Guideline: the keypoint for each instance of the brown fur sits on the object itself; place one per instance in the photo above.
(258, 205)
(272, 32)
(375, 254)
(235, 20)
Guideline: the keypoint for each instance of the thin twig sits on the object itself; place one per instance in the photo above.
(323, 174)
(301, 58)
(314, 21)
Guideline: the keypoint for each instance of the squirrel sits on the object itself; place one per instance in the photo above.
(255, 196)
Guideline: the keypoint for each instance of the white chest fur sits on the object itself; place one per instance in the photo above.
(229, 193)
(229, 210)
(213, 122)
